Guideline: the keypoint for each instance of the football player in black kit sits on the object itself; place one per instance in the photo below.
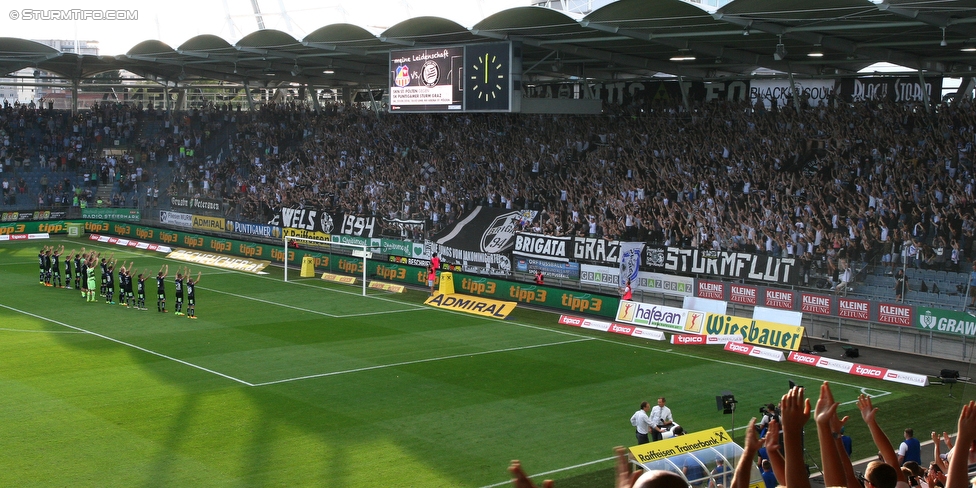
(161, 288)
(55, 270)
(78, 270)
(46, 264)
(40, 263)
(108, 281)
(67, 268)
(124, 283)
(141, 290)
(130, 300)
(191, 299)
(105, 277)
(178, 310)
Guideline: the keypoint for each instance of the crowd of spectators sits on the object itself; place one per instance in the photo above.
(831, 184)
(828, 184)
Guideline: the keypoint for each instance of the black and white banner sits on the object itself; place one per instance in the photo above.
(816, 92)
(477, 240)
(324, 222)
(192, 203)
(895, 89)
(354, 225)
(735, 265)
(581, 249)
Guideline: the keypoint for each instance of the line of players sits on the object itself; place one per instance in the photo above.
(85, 264)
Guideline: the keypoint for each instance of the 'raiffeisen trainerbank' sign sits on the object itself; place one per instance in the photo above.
(675, 446)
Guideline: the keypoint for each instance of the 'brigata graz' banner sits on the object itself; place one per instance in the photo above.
(478, 239)
(887, 89)
(320, 224)
(735, 265)
(580, 249)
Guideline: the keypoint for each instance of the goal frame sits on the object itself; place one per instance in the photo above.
(352, 251)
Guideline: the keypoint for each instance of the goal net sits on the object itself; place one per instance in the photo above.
(345, 260)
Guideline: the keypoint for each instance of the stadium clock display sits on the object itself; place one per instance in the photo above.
(488, 77)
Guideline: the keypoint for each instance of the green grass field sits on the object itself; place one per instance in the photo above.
(309, 384)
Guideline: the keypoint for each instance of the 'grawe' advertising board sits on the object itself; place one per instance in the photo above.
(945, 321)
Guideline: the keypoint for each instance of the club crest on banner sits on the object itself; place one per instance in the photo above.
(498, 236)
(630, 260)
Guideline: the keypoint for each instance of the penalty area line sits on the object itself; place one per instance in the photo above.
(127, 344)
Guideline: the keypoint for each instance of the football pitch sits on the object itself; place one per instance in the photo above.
(308, 383)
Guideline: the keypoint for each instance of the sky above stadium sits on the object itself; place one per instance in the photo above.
(118, 25)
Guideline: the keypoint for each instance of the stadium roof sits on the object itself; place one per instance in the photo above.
(626, 39)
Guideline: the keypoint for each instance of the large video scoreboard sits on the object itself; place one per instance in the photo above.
(473, 78)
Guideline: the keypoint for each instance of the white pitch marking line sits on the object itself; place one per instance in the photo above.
(117, 341)
(269, 302)
(505, 483)
(404, 363)
(41, 331)
(364, 314)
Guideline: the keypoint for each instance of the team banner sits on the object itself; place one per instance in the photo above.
(683, 444)
(756, 332)
(355, 225)
(893, 89)
(945, 321)
(538, 246)
(474, 305)
(477, 240)
(661, 317)
(646, 281)
(727, 264)
(192, 203)
(581, 249)
(124, 214)
(815, 92)
(306, 222)
(630, 261)
(644, 92)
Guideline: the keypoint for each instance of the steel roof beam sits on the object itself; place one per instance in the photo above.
(810, 36)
